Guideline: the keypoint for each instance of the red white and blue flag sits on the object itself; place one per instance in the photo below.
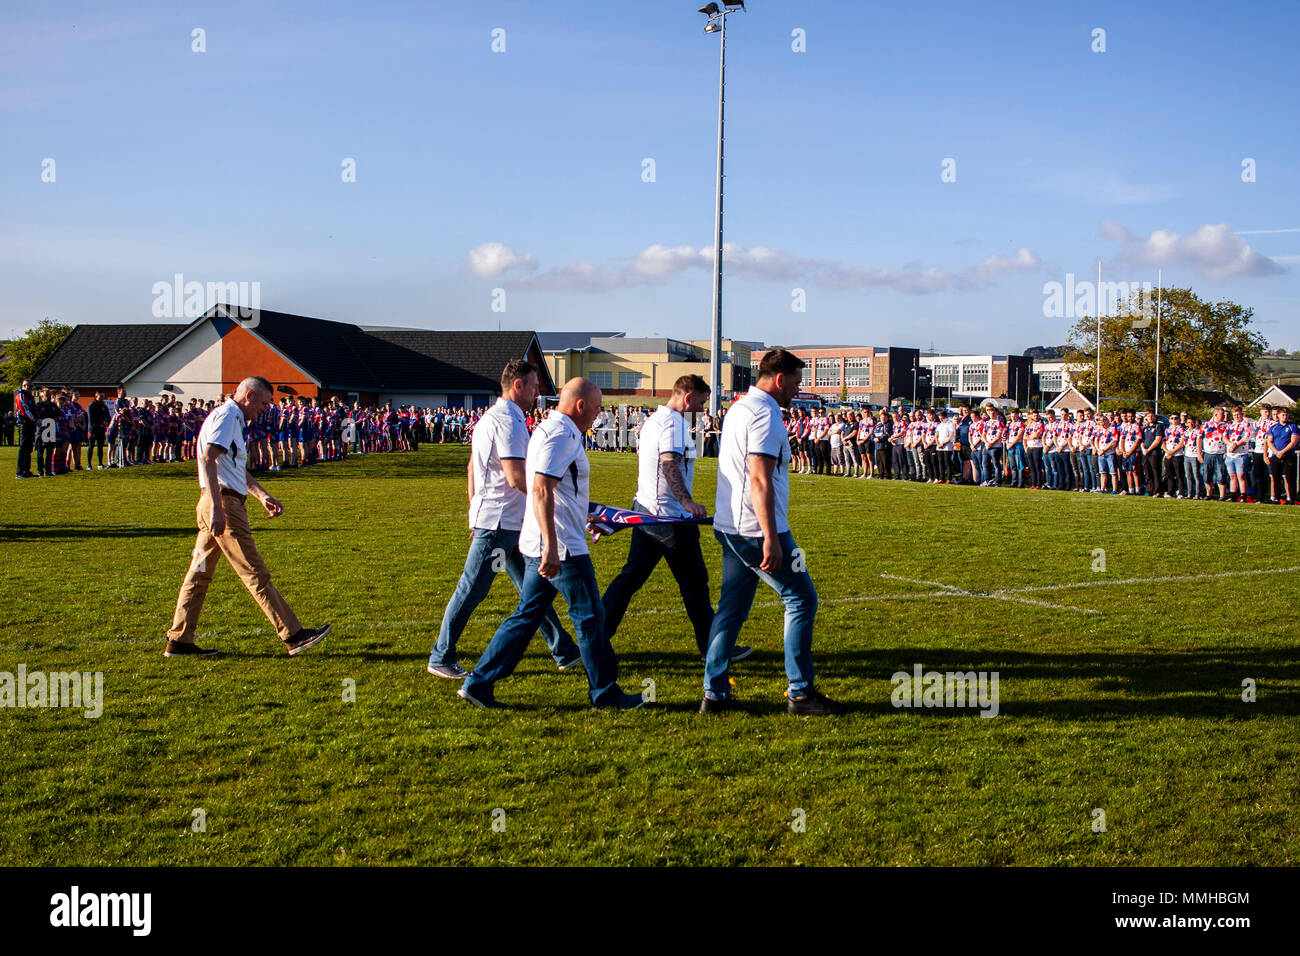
(603, 519)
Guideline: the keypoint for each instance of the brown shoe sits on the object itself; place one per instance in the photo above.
(308, 637)
(188, 649)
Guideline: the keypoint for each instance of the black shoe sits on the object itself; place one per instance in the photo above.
(813, 704)
(723, 705)
(487, 703)
(307, 638)
(188, 649)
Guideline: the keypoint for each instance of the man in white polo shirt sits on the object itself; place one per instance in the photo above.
(665, 479)
(498, 497)
(751, 525)
(556, 558)
(223, 527)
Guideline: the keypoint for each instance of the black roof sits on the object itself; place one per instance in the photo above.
(339, 355)
(408, 359)
(105, 354)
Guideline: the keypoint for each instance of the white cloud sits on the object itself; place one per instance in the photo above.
(1213, 251)
(492, 259)
(1023, 261)
(657, 264)
(657, 260)
(1115, 232)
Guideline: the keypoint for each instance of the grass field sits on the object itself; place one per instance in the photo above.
(1121, 697)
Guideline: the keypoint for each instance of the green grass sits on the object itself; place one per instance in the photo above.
(1136, 710)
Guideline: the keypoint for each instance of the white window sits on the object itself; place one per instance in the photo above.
(946, 376)
(602, 379)
(827, 372)
(629, 379)
(974, 379)
(857, 371)
(1051, 381)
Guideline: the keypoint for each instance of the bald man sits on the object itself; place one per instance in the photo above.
(224, 485)
(556, 558)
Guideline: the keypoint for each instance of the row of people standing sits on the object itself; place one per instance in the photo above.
(1227, 456)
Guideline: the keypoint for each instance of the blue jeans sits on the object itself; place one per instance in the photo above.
(1088, 459)
(576, 580)
(993, 465)
(1216, 472)
(741, 558)
(977, 456)
(473, 586)
(1195, 480)
(1016, 459)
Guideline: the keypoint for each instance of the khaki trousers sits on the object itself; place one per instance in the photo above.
(236, 543)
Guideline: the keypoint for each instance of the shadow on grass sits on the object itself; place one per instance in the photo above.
(1193, 683)
(42, 532)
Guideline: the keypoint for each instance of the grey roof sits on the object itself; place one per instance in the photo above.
(564, 341)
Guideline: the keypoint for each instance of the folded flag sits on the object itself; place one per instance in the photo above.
(603, 519)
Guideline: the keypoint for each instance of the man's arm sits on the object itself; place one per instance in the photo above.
(516, 474)
(544, 511)
(670, 466)
(217, 521)
(763, 497)
(469, 479)
(272, 505)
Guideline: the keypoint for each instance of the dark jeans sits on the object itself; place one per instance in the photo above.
(823, 457)
(1261, 476)
(883, 469)
(96, 442)
(26, 439)
(900, 461)
(685, 560)
(1151, 470)
(1173, 469)
(1282, 471)
(576, 580)
(993, 465)
(1035, 466)
(931, 463)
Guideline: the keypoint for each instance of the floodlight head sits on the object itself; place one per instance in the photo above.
(710, 9)
(711, 28)
(734, 3)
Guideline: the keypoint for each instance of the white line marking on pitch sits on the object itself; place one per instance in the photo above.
(1156, 580)
(952, 591)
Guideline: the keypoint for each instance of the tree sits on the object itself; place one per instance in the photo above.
(1202, 345)
(29, 352)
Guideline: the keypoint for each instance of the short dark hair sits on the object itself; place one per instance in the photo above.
(779, 362)
(515, 370)
(691, 384)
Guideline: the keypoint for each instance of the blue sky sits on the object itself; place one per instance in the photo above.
(522, 170)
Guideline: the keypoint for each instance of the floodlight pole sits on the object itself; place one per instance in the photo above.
(715, 352)
(1098, 335)
(1160, 281)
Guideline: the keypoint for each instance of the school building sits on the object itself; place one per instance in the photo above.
(645, 367)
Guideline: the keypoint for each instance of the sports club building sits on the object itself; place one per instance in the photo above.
(299, 355)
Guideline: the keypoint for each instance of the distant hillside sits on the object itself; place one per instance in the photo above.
(1273, 367)
(1045, 353)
